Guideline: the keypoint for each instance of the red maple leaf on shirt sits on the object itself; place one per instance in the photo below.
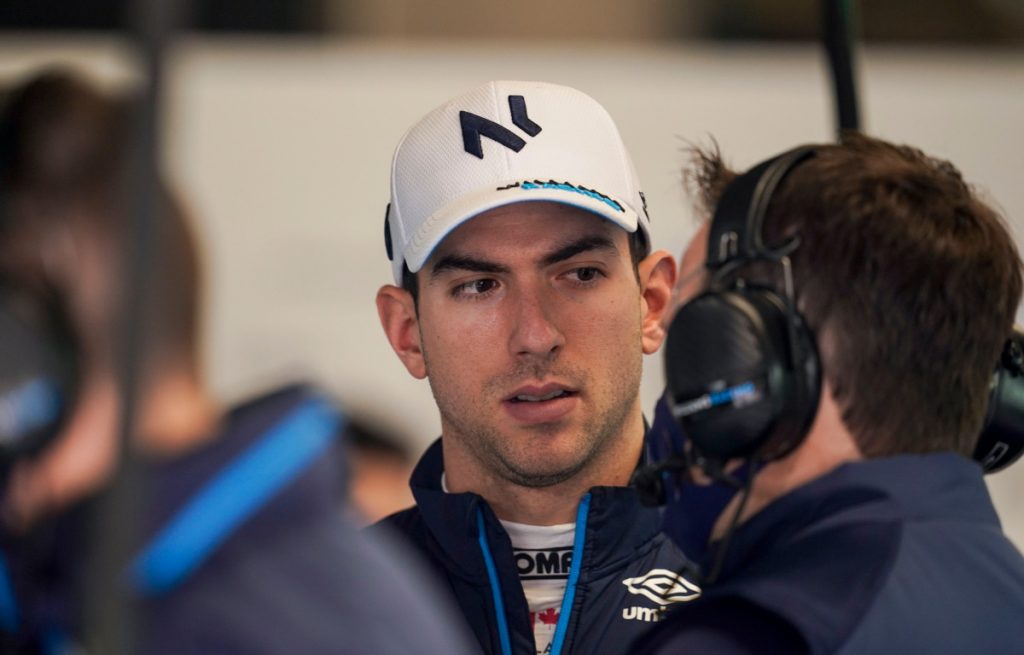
(548, 616)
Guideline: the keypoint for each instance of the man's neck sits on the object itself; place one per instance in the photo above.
(828, 445)
(178, 415)
(552, 505)
(549, 505)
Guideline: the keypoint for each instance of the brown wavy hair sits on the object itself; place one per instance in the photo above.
(908, 279)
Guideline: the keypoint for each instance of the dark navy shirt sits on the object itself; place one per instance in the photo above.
(896, 555)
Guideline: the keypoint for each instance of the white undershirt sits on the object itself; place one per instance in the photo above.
(543, 556)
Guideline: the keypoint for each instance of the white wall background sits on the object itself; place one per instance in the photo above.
(283, 149)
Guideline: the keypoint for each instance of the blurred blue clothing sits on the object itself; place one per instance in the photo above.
(896, 555)
(244, 550)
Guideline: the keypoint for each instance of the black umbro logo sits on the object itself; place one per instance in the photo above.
(474, 127)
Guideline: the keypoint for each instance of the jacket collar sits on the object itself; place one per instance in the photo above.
(890, 489)
(616, 521)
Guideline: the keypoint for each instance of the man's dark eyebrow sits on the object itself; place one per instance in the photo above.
(593, 242)
(456, 262)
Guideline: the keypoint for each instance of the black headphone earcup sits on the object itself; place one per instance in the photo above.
(36, 384)
(731, 377)
(1001, 441)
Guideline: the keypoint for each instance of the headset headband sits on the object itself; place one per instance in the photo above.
(736, 230)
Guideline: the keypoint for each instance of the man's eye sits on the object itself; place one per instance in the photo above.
(475, 288)
(586, 274)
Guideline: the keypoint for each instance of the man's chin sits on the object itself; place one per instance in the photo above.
(542, 475)
(539, 481)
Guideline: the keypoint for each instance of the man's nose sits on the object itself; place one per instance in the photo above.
(535, 330)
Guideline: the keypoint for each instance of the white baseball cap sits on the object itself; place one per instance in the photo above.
(501, 143)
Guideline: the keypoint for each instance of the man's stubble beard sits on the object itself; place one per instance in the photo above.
(466, 416)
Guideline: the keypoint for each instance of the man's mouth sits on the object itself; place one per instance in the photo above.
(534, 404)
(541, 392)
(536, 398)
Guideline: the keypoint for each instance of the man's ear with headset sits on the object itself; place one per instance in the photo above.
(710, 485)
(744, 378)
(58, 397)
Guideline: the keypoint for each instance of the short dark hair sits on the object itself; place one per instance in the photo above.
(639, 248)
(907, 278)
(64, 154)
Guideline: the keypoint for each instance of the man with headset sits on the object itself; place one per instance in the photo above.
(854, 301)
(526, 293)
(241, 546)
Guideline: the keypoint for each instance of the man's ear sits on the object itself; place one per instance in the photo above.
(657, 277)
(397, 311)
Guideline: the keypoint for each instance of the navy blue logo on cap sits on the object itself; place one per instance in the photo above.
(474, 127)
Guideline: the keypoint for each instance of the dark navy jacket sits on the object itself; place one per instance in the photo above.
(244, 550)
(622, 575)
(897, 555)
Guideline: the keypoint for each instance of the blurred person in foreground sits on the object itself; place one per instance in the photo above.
(526, 293)
(379, 466)
(846, 307)
(241, 547)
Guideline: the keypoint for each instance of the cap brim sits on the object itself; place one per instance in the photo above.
(442, 222)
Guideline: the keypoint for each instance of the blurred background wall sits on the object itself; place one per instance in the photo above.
(280, 118)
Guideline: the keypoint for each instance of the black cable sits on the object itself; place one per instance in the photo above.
(109, 616)
(723, 547)
(837, 37)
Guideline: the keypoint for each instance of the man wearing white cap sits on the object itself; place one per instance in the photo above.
(525, 294)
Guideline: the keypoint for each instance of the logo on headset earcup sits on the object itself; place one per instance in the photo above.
(742, 374)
